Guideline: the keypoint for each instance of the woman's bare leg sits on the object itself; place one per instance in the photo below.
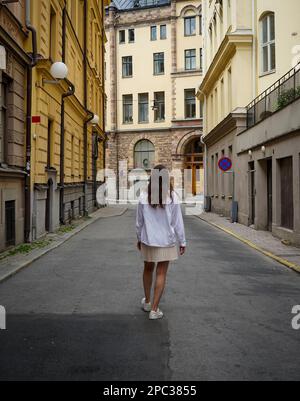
(147, 278)
(161, 275)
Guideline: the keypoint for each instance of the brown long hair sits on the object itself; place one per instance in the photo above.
(161, 190)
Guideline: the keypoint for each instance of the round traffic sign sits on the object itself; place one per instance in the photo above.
(225, 164)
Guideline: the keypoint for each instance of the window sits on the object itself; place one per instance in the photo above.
(144, 154)
(190, 59)
(153, 33)
(127, 66)
(143, 107)
(201, 59)
(50, 144)
(229, 78)
(52, 36)
(127, 109)
(163, 32)
(159, 106)
(268, 43)
(131, 36)
(3, 120)
(122, 36)
(200, 24)
(189, 26)
(159, 63)
(190, 103)
(201, 108)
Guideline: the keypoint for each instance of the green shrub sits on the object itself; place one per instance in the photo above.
(287, 96)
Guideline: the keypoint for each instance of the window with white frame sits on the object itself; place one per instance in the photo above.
(127, 109)
(127, 66)
(189, 26)
(268, 53)
(190, 59)
(144, 154)
(158, 63)
(143, 107)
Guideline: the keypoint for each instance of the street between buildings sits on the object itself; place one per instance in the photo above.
(74, 314)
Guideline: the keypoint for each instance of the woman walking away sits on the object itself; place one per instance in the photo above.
(159, 225)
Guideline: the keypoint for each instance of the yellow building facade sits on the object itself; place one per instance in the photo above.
(153, 68)
(250, 89)
(66, 149)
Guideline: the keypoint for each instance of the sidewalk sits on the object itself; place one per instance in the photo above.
(262, 241)
(12, 264)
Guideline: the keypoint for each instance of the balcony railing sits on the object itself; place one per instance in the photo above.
(285, 91)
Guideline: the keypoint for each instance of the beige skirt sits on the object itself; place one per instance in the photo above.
(159, 254)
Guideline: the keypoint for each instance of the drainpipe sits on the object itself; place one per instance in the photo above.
(254, 47)
(85, 101)
(28, 123)
(70, 92)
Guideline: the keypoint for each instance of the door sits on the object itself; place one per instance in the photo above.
(48, 206)
(10, 222)
(251, 193)
(269, 194)
(287, 197)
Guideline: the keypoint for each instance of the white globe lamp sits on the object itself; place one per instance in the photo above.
(95, 120)
(59, 70)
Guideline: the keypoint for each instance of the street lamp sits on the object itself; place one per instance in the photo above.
(59, 72)
(95, 120)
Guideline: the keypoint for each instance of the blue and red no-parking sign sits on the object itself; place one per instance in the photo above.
(225, 164)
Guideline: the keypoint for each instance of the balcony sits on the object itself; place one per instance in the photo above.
(284, 92)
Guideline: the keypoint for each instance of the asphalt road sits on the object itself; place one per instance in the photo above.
(75, 313)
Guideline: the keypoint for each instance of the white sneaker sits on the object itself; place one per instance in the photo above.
(156, 314)
(146, 307)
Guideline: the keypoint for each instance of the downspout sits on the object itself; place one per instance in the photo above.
(254, 48)
(30, 28)
(89, 113)
(70, 92)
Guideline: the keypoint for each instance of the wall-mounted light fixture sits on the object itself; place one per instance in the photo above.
(95, 120)
(263, 149)
(59, 72)
(250, 153)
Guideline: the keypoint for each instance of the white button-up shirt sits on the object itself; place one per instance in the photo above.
(160, 227)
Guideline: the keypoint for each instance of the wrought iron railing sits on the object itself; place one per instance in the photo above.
(285, 91)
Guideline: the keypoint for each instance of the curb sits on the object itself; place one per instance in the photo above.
(54, 246)
(290, 265)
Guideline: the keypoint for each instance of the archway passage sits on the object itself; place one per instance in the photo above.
(193, 164)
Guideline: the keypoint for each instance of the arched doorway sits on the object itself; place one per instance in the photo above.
(193, 164)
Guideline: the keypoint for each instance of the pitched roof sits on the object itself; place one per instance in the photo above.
(131, 4)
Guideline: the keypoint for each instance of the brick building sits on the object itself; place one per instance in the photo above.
(152, 113)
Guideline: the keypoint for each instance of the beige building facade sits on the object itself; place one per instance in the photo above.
(251, 58)
(154, 62)
(14, 63)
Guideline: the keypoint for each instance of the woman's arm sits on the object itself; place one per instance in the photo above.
(139, 221)
(177, 223)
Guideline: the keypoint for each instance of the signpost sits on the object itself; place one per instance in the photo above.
(225, 164)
